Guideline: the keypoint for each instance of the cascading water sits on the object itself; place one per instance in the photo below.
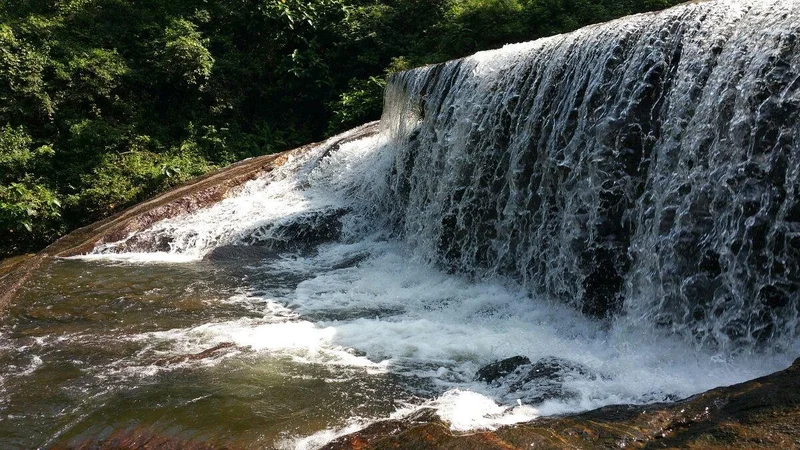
(649, 166)
(623, 198)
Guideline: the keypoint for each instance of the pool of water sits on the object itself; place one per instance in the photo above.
(90, 349)
(291, 350)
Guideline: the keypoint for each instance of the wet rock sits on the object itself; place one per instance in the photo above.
(140, 438)
(601, 287)
(533, 383)
(301, 233)
(762, 413)
(145, 243)
(499, 369)
(238, 253)
(553, 369)
(212, 352)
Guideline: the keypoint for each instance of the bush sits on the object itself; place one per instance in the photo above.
(185, 58)
(362, 102)
(30, 213)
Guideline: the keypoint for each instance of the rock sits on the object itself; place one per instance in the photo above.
(140, 438)
(554, 368)
(533, 383)
(239, 253)
(301, 232)
(602, 284)
(762, 413)
(544, 380)
(500, 369)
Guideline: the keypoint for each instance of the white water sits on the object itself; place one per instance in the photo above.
(394, 312)
(467, 151)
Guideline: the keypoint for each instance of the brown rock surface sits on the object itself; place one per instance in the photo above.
(140, 438)
(762, 413)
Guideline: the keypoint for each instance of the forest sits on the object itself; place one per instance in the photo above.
(104, 103)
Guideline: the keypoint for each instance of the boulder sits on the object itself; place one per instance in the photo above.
(533, 383)
(500, 369)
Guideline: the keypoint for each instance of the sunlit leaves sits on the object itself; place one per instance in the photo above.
(18, 157)
(28, 212)
(185, 56)
(22, 90)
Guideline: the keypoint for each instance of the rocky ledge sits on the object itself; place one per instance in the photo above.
(762, 413)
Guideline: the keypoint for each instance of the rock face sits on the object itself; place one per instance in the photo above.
(762, 413)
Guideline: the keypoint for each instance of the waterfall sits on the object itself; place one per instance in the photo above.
(616, 209)
(644, 171)
(610, 216)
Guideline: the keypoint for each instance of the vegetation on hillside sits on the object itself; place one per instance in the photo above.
(106, 102)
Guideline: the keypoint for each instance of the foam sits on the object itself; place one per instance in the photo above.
(306, 184)
(321, 438)
(420, 320)
(467, 410)
(278, 335)
(139, 257)
(390, 314)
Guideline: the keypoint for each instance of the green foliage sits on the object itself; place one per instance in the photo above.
(472, 25)
(17, 158)
(104, 103)
(361, 103)
(22, 89)
(185, 58)
(95, 73)
(29, 213)
(124, 179)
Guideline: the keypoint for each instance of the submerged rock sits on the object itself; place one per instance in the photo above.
(212, 352)
(301, 232)
(762, 413)
(533, 383)
(239, 253)
(499, 369)
(141, 438)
